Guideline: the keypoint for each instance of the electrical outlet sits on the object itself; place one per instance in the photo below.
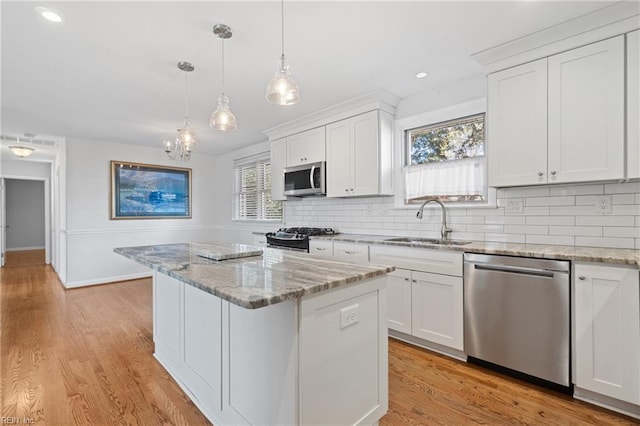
(349, 316)
(603, 203)
(514, 206)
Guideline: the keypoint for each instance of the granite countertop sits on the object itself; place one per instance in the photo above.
(543, 251)
(250, 282)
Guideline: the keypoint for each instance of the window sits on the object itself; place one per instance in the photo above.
(446, 161)
(252, 191)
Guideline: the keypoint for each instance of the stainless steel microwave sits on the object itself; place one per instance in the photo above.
(305, 180)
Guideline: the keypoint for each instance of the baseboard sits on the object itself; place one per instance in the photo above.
(607, 402)
(107, 280)
(434, 347)
(25, 248)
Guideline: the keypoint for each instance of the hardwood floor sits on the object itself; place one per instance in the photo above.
(84, 357)
(24, 258)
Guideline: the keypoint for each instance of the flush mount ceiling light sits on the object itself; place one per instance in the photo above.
(181, 148)
(282, 89)
(47, 14)
(22, 151)
(422, 74)
(222, 118)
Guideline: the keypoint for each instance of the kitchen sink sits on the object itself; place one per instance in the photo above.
(415, 240)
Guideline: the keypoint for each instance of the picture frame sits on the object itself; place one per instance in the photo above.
(146, 191)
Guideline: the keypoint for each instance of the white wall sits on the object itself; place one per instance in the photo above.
(226, 228)
(15, 168)
(91, 236)
(25, 214)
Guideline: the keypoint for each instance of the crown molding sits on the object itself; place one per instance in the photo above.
(610, 21)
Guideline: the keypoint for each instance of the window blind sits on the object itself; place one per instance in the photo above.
(252, 191)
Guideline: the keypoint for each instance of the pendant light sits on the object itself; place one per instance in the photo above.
(222, 118)
(282, 89)
(181, 148)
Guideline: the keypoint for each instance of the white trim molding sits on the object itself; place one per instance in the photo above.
(610, 21)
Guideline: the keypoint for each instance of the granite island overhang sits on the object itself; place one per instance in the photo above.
(269, 336)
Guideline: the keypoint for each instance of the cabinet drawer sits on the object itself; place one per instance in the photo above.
(351, 252)
(425, 260)
(322, 248)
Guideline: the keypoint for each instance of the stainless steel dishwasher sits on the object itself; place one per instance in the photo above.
(516, 314)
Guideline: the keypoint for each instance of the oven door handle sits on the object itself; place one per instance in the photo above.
(313, 186)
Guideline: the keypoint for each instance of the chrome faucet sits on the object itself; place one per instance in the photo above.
(444, 231)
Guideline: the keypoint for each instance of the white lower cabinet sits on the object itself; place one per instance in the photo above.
(351, 252)
(321, 248)
(437, 309)
(607, 332)
(424, 293)
(399, 300)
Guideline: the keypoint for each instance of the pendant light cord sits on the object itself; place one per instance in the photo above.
(186, 99)
(282, 21)
(222, 67)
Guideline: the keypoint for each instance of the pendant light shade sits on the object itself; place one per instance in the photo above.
(222, 118)
(282, 89)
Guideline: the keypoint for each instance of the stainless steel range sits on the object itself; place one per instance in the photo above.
(295, 238)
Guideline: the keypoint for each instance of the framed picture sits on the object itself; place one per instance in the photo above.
(145, 191)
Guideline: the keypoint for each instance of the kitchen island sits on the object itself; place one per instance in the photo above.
(267, 336)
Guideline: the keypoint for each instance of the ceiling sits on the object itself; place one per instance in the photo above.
(108, 71)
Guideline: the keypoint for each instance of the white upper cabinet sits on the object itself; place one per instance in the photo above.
(586, 113)
(633, 104)
(359, 160)
(517, 125)
(278, 163)
(306, 147)
(559, 119)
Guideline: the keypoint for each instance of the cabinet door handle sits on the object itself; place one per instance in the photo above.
(320, 248)
(582, 277)
(350, 189)
(301, 159)
(414, 281)
(540, 174)
(346, 189)
(407, 279)
(350, 252)
(553, 173)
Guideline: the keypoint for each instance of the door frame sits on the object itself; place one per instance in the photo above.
(47, 213)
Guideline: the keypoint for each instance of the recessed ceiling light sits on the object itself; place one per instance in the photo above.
(47, 14)
(422, 74)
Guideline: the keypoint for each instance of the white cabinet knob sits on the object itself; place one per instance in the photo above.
(540, 174)
(582, 277)
(553, 173)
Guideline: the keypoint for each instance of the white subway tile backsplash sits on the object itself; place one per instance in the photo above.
(535, 191)
(592, 231)
(622, 231)
(563, 214)
(551, 220)
(563, 240)
(623, 199)
(526, 229)
(605, 220)
(622, 188)
(550, 201)
(504, 238)
(605, 242)
(505, 220)
(596, 189)
(537, 211)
